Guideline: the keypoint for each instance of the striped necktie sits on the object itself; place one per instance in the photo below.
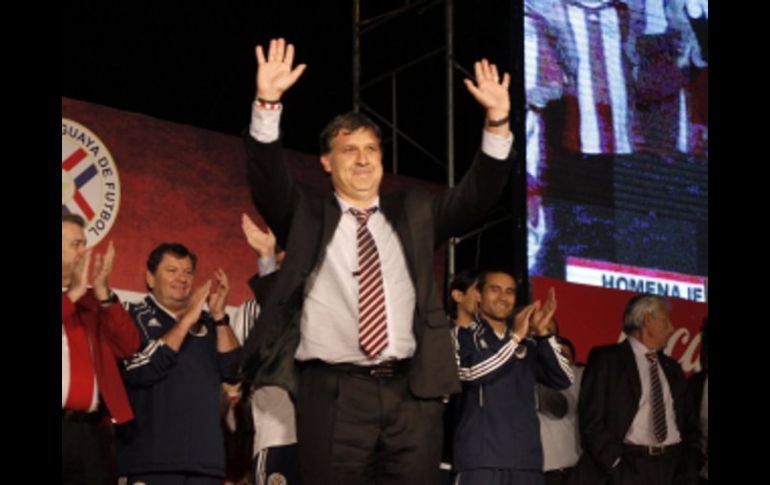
(372, 320)
(658, 407)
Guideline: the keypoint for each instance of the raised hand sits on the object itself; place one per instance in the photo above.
(263, 242)
(79, 281)
(218, 298)
(102, 270)
(490, 91)
(274, 73)
(522, 320)
(542, 317)
(195, 306)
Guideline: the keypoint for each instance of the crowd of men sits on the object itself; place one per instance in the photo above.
(351, 366)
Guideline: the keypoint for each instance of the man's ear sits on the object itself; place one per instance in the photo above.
(149, 279)
(646, 320)
(326, 163)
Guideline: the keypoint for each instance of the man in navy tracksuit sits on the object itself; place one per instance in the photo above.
(497, 438)
(173, 382)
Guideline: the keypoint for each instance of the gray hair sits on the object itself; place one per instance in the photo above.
(640, 306)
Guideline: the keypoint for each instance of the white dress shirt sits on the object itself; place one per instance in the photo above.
(642, 430)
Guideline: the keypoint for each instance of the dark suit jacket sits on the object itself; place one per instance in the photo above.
(304, 223)
(609, 400)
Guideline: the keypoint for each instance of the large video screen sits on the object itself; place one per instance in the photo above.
(617, 143)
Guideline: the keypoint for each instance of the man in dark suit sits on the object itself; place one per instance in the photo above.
(354, 328)
(633, 425)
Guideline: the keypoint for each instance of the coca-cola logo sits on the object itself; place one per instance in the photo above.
(685, 349)
(682, 347)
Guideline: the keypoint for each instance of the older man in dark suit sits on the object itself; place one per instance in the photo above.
(633, 425)
(354, 328)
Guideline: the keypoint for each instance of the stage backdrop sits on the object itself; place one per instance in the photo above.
(140, 181)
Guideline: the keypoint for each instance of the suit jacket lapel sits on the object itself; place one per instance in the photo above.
(671, 377)
(331, 217)
(631, 370)
(393, 209)
(675, 384)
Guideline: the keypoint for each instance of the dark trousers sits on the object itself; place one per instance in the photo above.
(558, 477)
(447, 477)
(276, 464)
(173, 479)
(85, 448)
(354, 428)
(642, 469)
(499, 476)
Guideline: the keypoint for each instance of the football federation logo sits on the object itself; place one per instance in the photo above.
(90, 185)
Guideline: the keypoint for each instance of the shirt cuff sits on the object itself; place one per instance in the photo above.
(264, 123)
(496, 146)
(266, 265)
